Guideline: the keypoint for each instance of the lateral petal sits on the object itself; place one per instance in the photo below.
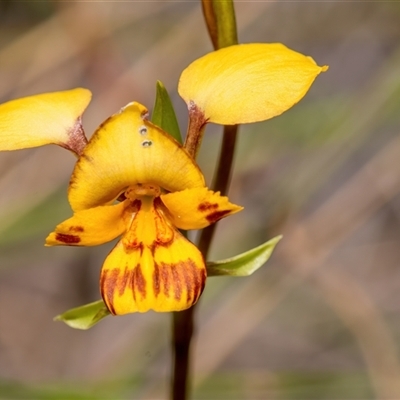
(197, 208)
(126, 150)
(156, 270)
(247, 82)
(48, 118)
(93, 226)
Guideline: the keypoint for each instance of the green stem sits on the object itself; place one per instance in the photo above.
(183, 323)
(221, 25)
(221, 180)
(181, 340)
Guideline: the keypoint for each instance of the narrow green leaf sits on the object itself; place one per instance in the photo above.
(164, 113)
(84, 317)
(244, 264)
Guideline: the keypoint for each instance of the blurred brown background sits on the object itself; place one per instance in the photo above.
(322, 319)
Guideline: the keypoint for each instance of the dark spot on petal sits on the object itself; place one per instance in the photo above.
(217, 215)
(207, 206)
(67, 239)
(76, 229)
(142, 130)
(147, 143)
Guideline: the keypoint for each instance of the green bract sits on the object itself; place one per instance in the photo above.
(84, 317)
(244, 264)
(164, 113)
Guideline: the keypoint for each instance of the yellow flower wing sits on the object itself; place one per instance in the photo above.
(93, 226)
(153, 267)
(197, 208)
(126, 150)
(247, 82)
(48, 118)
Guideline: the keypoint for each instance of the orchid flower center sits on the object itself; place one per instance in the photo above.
(142, 189)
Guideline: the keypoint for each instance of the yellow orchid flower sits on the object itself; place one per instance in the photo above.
(48, 118)
(246, 82)
(134, 180)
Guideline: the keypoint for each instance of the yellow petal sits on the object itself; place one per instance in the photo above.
(248, 82)
(153, 267)
(126, 150)
(92, 227)
(197, 208)
(43, 119)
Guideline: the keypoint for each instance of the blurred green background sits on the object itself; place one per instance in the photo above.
(322, 319)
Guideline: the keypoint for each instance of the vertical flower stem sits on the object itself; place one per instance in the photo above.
(221, 25)
(181, 339)
(183, 322)
(221, 180)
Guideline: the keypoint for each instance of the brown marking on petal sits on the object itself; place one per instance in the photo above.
(138, 281)
(181, 276)
(165, 278)
(176, 271)
(200, 282)
(117, 280)
(123, 281)
(133, 246)
(153, 247)
(207, 206)
(136, 204)
(188, 279)
(76, 229)
(130, 241)
(67, 239)
(217, 215)
(164, 238)
(108, 283)
(165, 233)
(156, 280)
(195, 279)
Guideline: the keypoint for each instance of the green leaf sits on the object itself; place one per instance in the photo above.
(164, 113)
(244, 264)
(84, 317)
